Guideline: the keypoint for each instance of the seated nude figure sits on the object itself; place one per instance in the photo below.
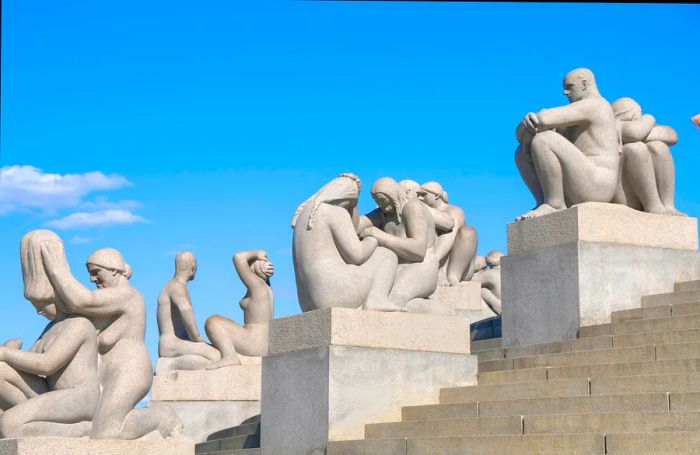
(648, 173)
(333, 267)
(455, 249)
(406, 227)
(52, 389)
(179, 335)
(254, 269)
(569, 154)
(490, 279)
(117, 311)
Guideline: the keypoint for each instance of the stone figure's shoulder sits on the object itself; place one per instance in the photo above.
(414, 206)
(80, 325)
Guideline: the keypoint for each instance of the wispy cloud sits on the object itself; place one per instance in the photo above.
(95, 219)
(23, 187)
(80, 240)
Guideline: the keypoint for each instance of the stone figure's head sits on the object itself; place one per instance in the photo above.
(480, 263)
(263, 269)
(626, 109)
(580, 84)
(107, 268)
(493, 258)
(389, 196)
(434, 194)
(186, 264)
(412, 189)
(342, 191)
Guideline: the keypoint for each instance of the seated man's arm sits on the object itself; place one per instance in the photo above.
(353, 250)
(373, 218)
(571, 114)
(443, 221)
(636, 130)
(415, 245)
(180, 297)
(664, 134)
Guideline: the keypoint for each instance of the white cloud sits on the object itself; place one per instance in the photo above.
(24, 187)
(94, 219)
(80, 240)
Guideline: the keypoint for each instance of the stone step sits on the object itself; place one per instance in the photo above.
(631, 402)
(687, 286)
(234, 452)
(671, 298)
(603, 423)
(653, 312)
(244, 429)
(570, 444)
(232, 443)
(555, 347)
(482, 345)
(599, 356)
(667, 442)
(643, 325)
(518, 390)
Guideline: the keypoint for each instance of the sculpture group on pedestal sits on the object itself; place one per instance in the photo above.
(592, 151)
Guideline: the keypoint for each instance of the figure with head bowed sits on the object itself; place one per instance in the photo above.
(648, 177)
(333, 267)
(252, 339)
(490, 279)
(180, 340)
(117, 311)
(52, 389)
(569, 154)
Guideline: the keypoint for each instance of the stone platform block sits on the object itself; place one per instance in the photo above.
(208, 401)
(465, 299)
(84, 446)
(573, 268)
(332, 371)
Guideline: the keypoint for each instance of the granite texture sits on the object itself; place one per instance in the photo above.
(74, 446)
(234, 383)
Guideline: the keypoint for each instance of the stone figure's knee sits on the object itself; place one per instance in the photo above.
(634, 150)
(659, 149)
(469, 234)
(213, 323)
(542, 142)
(10, 425)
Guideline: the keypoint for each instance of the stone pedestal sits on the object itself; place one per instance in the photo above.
(331, 371)
(573, 268)
(465, 299)
(208, 401)
(83, 446)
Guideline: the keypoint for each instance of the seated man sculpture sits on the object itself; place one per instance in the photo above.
(648, 173)
(406, 227)
(252, 339)
(52, 389)
(569, 155)
(333, 267)
(455, 249)
(179, 336)
(490, 279)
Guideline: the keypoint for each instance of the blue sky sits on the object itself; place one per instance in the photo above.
(209, 122)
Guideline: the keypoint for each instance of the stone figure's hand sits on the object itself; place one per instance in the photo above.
(370, 231)
(267, 268)
(531, 122)
(14, 343)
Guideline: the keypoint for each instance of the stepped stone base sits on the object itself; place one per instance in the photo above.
(332, 371)
(573, 268)
(465, 299)
(208, 401)
(84, 446)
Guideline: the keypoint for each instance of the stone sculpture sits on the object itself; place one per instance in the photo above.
(333, 267)
(179, 339)
(254, 269)
(455, 249)
(52, 389)
(569, 154)
(648, 175)
(117, 311)
(406, 227)
(490, 279)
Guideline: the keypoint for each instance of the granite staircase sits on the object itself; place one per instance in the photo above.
(628, 387)
(241, 440)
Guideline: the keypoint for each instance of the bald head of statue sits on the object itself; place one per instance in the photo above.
(580, 84)
(186, 264)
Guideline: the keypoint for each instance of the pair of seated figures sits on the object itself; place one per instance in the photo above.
(592, 151)
(391, 259)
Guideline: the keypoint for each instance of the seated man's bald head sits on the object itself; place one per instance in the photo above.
(185, 261)
(579, 84)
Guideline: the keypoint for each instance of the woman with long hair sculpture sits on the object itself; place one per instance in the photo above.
(117, 311)
(254, 269)
(333, 267)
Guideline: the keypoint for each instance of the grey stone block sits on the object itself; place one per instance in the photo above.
(579, 444)
(625, 369)
(671, 298)
(693, 285)
(440, 411)
(657, 442)
(84, 446)
(657, 338)
(513, 391)
(367, 447)
(445, 428)
(688, 382)
(619, 422)
(523, 375)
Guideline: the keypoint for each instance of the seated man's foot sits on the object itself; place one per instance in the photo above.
(224, 362)
(663, 210)
(385, 305)
(670, 210)
(544, 209)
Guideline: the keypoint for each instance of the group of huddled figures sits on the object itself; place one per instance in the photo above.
(391, 259)
(89, 368)
(593, 151)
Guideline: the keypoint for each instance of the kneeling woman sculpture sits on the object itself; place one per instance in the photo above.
(333, 267)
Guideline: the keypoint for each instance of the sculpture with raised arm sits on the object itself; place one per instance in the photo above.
(406, 227)
(254, 269)
(455, 249)
(569, 154)
(117, 311)
(52, 389)
(179, 336)
(648, 173)
(333, 267)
